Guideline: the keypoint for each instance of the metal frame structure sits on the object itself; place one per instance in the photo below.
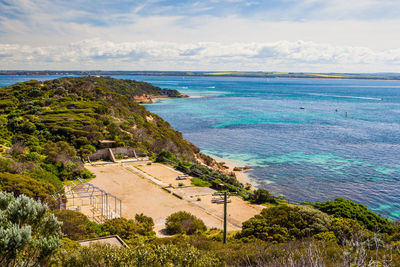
(79, 193)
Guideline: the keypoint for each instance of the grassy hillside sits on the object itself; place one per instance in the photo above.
(46, 127)
(82, 111)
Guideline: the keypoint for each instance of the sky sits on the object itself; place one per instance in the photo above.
(207, 35)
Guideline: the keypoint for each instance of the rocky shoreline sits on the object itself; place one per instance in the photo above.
(149, 99)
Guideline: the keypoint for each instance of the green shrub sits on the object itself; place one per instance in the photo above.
(347, 229)
(344, 208)
(47, 177)
(326, 236)
(185, 163)
(5, 164)
(166, 155)
(282, 223)
(183, 222)
(76, 226)
(200, 182)
(142, 255)
(22, 184)
(214, 177)
(29, 233)
(126, 229)
(146, 224)
(60, 152)
(33, 156)
(85, 150)
(263, 196)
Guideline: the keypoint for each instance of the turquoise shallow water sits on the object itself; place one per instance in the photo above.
(295, 133)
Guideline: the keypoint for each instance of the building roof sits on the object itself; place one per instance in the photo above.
(113, 240)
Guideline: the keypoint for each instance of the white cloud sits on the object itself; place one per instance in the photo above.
(152, 55)
(338, 35)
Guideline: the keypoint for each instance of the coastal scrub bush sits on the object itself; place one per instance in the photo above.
(142, 255)
(344, 208)
(200, 182)
(60, 152)
(127, 229)
(42, 175)
(283, 223)
(326, 236)
(76, 226)
(146, 224)
(213, 176)
(63, 156)
(183, 222)
(185, 164)
(22, 184)
(29, 233)
(165, 156)
(348, 229)
(262, 196)
(5, 164)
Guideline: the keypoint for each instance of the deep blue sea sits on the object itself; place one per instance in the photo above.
(307, 139)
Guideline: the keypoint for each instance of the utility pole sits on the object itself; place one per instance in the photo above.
(225, 204)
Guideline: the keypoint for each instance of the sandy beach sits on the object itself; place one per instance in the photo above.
(140, 187)
(242, 176)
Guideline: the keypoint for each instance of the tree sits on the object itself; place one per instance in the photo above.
(76, 226)
(344, 208)
(183, 222)
(29, 233)
(263, 196)
(284, 222)
(146, 224)
(166, 155)
(63, 156)
(348, 229)
(142, 225)
(60, 152)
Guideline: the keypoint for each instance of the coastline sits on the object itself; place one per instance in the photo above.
(241, 176)
(151, 99)
(356, 76)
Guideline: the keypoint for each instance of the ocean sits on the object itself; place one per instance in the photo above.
(305, 139)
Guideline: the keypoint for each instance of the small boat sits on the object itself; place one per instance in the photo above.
(302, 108)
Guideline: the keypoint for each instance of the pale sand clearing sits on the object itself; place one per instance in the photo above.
(164, 173)
(140, 195)
(238, 209)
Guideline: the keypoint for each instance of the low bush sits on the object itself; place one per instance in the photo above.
(263, 196)
(22, 184)
(142, 255)
(283, 223)
(127, 229)
(42, 175)
(200, 182)
(76, 226)
(29, 233)
(183, 222)
(344, 208)
(166, 156)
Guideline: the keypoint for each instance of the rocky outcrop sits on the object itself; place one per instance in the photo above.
(149, 99)
(143, 99)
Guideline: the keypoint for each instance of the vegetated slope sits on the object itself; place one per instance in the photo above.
(83, 110)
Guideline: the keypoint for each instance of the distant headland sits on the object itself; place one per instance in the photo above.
(256, 74)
